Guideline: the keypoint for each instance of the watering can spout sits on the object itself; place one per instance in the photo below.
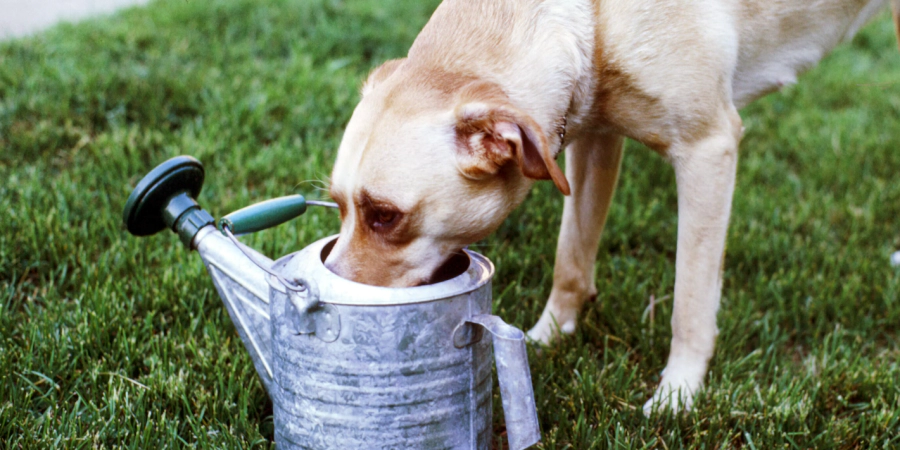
(243, 288)
(165, 198)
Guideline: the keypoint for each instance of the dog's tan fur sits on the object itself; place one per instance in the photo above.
(446, 142)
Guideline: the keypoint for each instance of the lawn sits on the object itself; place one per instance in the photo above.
(111, 341)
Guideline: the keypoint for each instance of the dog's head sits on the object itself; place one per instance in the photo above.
(429, 163)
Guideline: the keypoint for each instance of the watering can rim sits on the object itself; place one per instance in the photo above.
(342, 291)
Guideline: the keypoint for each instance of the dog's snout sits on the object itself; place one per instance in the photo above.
(376, 273)
(339, 269)
(382, 265)
(332, 266)
(336, 263)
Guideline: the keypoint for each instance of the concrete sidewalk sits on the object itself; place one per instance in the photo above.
(23, 17)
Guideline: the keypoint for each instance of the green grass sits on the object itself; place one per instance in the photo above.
(107, 340)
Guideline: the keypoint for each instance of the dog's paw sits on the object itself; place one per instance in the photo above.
(675, 392)
(549, 327)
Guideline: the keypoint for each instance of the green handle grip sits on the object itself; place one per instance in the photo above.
(264, 215)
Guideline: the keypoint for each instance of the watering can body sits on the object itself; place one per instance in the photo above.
(356, 366)
(391, 376)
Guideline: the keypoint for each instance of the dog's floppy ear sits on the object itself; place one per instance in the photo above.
(492, 133)
(380, 73)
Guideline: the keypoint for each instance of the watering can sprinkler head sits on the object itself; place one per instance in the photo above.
(165, 198)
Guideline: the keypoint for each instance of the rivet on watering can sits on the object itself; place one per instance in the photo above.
(327, 321)
(467, 334)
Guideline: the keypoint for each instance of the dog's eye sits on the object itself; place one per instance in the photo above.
(383, 219)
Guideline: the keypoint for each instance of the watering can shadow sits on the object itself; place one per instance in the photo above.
(348, 365)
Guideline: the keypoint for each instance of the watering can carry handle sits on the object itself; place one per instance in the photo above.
(516, 391)
(267, 214)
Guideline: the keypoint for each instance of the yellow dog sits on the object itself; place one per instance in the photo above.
(447, 141)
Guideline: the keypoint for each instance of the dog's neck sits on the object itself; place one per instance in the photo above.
(538, 52)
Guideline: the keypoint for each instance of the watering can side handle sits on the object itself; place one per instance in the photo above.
(514, 374)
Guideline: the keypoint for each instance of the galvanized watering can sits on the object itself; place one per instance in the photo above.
(347, 365)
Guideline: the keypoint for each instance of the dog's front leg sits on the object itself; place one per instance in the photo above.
(592, 167)
(705, 173)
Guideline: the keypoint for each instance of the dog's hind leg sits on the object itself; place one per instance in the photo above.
(592, 168)
(895, 7)
(705, 173)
